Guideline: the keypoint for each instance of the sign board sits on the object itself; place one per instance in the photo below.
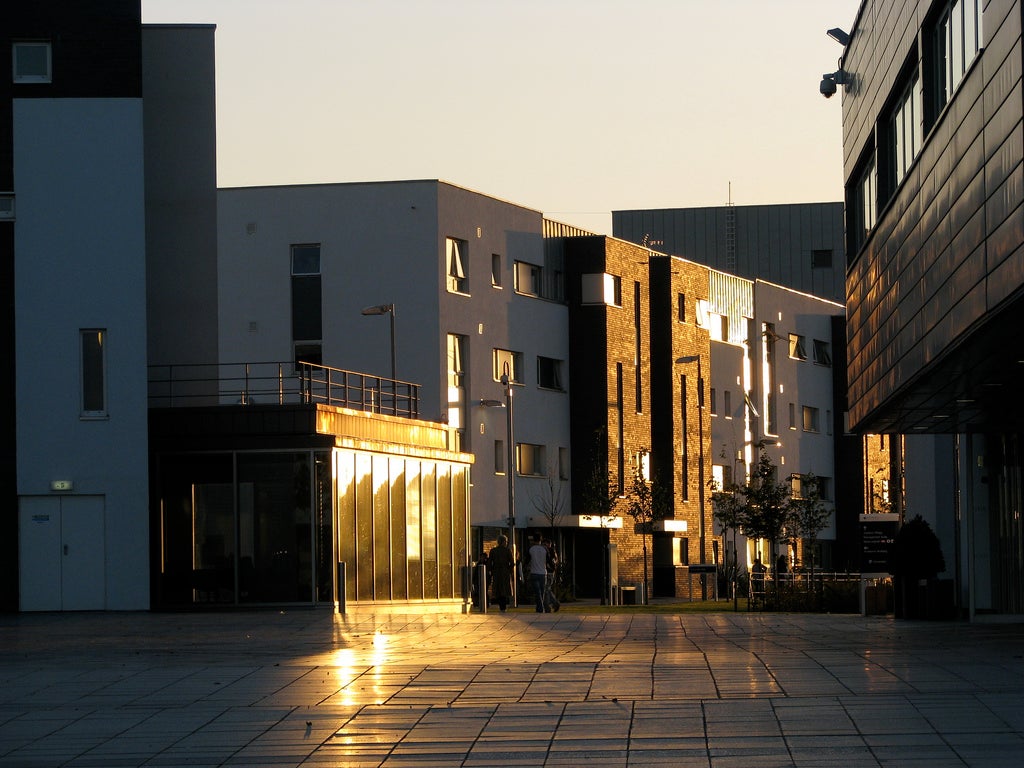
(703, 568)
(877, 534)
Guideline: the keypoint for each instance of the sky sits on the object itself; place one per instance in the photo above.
(574, 108)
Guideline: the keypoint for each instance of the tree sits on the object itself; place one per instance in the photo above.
(766, 504)
(727, 504)
(645, 502)
(808, 514)
(551, 502)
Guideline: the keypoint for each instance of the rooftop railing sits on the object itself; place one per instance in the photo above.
(279, 383)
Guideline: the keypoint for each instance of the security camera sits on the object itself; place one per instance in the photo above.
(827, 87)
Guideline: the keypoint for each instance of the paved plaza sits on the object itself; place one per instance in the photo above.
(304, 687)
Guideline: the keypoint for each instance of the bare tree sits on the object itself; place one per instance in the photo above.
(552, 501)
(646, 501)
(727, 503)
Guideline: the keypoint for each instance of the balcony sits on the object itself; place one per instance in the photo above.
(279, 383)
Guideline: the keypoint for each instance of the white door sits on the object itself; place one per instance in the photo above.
(62, 554)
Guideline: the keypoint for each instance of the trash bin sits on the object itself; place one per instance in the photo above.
(628, 595)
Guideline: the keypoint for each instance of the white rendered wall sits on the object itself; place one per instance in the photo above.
(384, 243)
(801, 382)
(80, 263)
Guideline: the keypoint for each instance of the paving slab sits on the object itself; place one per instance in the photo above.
(311, 688)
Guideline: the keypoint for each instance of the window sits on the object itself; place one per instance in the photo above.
(457, 382)
(499, 457)
(31, 62)
(863, 206)
(797, 347)
(811, 421)
(810, 486)
(549, 373)
(601, 288)
(681, 308)
(496, 270)
(563, 463)
(792, 415)
(718, 327)
(530, 459)
(957, 42)
(714, 402)
(643, 463)
(821, 259)
(456, 252)
(527, 278)
(512, 362)
(905, 127)
(822, 355)
(311, 353)
(6, 207)
(727, 403)
(307, 304)
(94, 385)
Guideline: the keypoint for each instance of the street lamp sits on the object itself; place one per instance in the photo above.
(386, 309)
(506, 381)
(700, 469)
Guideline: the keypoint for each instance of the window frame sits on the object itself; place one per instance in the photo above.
(514, 359)
(31, 79)
(822, 352)
(93, 395)
(537, 463)
(456, 265)
(496, 270)
(553, 366)
(811, 419)
(797, 346)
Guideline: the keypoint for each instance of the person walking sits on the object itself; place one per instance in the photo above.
(503, 566)
(538, 570)
(550, 599)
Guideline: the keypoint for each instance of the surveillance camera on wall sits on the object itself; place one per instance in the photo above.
(827, 87)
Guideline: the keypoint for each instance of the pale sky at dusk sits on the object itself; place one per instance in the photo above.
(572, 107)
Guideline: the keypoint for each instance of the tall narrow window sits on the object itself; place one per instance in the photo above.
(94, 384)
(638, 362)
(797, 346)
(496, 270)
(621, 431)
(905, 127)
(681, 308)
(457, 384)
(684, 462)
(456, 252)
(863, 206)
(307, 303)
(958, 38)
(770, 379)
(499, 457)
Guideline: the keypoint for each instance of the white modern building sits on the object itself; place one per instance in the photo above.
(450, 284)
(773, 389)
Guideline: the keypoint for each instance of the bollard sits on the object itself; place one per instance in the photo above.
(481, 587)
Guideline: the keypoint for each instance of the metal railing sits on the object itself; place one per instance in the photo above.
(279, 383)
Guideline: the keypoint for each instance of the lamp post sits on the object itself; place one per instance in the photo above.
(700, 469)
(506, 381)
(386, 309)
